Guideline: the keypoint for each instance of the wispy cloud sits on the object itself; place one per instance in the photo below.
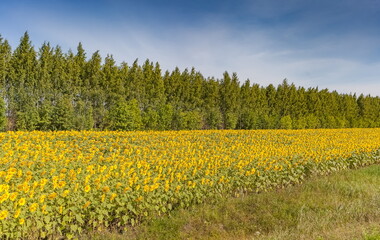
(345, 62)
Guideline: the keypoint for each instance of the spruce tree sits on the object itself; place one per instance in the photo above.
(211, 104)
(52, 90)
(59, 76)
(5, 58)
(229, 96)
(22, 85)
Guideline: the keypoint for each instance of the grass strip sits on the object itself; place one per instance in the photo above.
(343, 205)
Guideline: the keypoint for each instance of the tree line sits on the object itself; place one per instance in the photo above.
(52, 90)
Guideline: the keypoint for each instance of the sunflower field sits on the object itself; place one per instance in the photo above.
(67, 183)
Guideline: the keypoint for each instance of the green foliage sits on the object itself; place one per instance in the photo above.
(28, 118)
(166, 114)
(231, 120)
(342, 122)
(286, 122)
(45, 116)
(269, 121)
(229, 98)
(213, 118)
(5, 57)
(63, 114)
(151, 119)
(3, 118)
(249, 120)
(190, 120)
(34, 85)
(331, 122)
(83, 117)
(125, 116)
(300, 123)
(312, 121)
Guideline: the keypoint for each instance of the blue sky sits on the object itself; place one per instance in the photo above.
(324, 43)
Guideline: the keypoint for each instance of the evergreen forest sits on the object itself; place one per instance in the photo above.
(48, 90)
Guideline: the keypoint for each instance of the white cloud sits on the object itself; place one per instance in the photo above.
(213, 48)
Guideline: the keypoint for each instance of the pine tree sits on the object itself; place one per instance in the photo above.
(314, 108)
(154, 85)
(23, 114)
(270, 120)
(93, 72)
(299, 110)
(5, 58)
(367, 111)
(112, 83)
(229, 96)
(260, 107)
(195, 100)
(77, 71)
(60, 79)
(172, 82)
(52, 90)
(247, 119)
(44, 87)
(211, 104)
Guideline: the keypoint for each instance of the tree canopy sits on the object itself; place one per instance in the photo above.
(47, 89)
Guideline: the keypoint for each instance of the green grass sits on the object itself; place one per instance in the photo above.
(344, 205)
